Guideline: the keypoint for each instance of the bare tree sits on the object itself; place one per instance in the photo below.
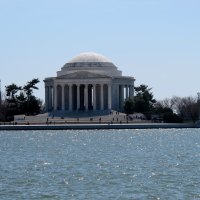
(187, 107)
(165, 103)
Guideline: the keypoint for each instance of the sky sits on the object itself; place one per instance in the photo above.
(155, 41)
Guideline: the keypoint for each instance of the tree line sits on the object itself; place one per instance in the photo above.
(20, 100)
(175, 109)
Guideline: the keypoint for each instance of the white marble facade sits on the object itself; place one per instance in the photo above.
(88, 82)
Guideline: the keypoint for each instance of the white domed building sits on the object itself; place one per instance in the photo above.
(89, 81)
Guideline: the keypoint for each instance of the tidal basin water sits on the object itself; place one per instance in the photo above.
(100, 164)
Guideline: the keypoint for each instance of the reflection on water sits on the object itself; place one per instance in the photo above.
(101, 164)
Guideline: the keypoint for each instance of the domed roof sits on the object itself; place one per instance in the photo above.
(89, 57)
(92, 63)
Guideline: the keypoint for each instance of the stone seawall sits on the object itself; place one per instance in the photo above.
(96, 126)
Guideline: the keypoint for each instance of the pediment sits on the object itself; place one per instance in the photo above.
(82, 75)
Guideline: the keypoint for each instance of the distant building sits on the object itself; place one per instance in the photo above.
(88, 82)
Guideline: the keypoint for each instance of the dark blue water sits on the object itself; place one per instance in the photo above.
(109, 164)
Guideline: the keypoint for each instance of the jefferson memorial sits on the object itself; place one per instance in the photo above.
(88, 82)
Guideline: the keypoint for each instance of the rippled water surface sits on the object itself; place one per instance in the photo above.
(109, 164)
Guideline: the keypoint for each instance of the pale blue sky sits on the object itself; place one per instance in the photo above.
(156, 41)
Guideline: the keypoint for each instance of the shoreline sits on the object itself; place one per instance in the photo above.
(97, 126)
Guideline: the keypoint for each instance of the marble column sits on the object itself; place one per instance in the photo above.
(70, 97)
(47, 98)
(126, 91)
(78, 96)
(55, 96)
(86, 96)
(63, 96)
(94, 97)
(50, 97)
(121, 94)
(102, 106)
(109, 97)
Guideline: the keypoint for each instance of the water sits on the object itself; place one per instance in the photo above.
(109, 164)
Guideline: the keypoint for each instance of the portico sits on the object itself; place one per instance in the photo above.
(88, 82)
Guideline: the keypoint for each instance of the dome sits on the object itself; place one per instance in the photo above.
(89, 57)
(92, 63)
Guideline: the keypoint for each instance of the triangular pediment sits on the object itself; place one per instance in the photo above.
(82, 74)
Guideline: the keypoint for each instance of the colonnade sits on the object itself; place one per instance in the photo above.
(124, 92)
(129, 91)
(83, 97)
(80, 97)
